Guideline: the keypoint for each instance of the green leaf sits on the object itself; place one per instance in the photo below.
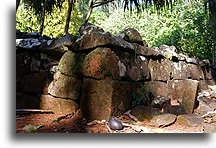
(30, 127)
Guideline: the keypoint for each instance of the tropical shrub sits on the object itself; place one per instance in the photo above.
(187, 26)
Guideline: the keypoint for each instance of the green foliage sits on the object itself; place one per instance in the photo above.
(26, 21)
(140, 97)
(54, 24)
(30, 127)
(37, 6)
(187, 26)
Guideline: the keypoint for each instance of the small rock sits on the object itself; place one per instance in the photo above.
(212, 87)
(203, 109)
(145, 113)
(160, 102)
(190, 120)
(174, 102)
(205, 101)
(163, 120)
(115, 124)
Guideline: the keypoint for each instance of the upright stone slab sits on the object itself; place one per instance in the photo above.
(101, 99)
(189, 95)
(185, 91)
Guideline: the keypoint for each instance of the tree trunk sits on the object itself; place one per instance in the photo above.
(17, 4)
(70, 5)
(42, 21)
(213, 52)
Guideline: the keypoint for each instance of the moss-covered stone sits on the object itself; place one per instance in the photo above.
(65, 86)
(71, 64)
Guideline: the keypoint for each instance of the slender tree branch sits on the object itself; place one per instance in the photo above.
(93, 5)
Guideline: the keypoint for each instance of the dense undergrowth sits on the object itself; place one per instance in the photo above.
(187, 26)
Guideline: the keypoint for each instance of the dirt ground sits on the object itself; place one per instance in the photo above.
(75, 123)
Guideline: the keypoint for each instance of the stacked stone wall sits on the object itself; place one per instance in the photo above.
(103, 74)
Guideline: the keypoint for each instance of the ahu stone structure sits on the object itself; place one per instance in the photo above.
(103, 74)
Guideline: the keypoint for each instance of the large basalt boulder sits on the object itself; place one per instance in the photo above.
(28, 43)
(138, 69)
(65, 86)
(102, 63)
(101, 99)
(58, 105)
(160, 70)
(154, 51)
(179, 70)
(185, 91)
(132, 36)
(176, 89)
(71, 64)
(189, 95)
(195, 72)
(88, 28)
(58, 46)
(94, 39)
(168, 52)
